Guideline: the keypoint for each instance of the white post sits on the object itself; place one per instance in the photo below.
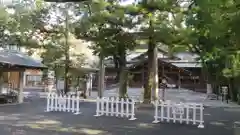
(194, 114)
(54, 102)
(59, 98)
(52, 97)
(122, 107)
(64, 103)
(201, 117)
(156, 112)
(77, 99)
(68, 103)
(48, 103)
(127, 107)
(98, 104)
(102, 109)
(112, 107)
(73, 103)
(181, 115)
(107, 106)
(133, 110)
(117, 108)
(174, 112)
(163, 105)
(187, 115)
(168, 113)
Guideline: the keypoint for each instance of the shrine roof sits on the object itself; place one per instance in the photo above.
(16, 58)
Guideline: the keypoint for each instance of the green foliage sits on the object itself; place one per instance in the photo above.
(107, 25)
(214, 35)
(18, 24)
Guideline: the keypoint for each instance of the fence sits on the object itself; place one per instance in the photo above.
(66, 103)
(181, 112)
(116, 107)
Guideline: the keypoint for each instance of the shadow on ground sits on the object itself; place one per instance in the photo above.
(30, 119)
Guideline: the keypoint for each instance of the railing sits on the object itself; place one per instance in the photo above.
(66, 103)
(181, 112)
(116, 107)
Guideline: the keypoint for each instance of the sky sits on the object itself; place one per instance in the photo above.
(126, 2)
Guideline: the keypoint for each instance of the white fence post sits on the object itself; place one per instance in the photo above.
(107, 105)
(77, 100)
(176, 112)
(64, 103)
(72, 103)
(59, 99)
(53, 102)
(98, 107)
(68, 103)
(117, 106)
(156, 112)
(168, 113)
(54, 105)
(132, 109)
(187, 114)
(122, 107)
(110, 107)
(201, 117)
(162, 106)
(194, 114)
(48, 103)
(127, 107)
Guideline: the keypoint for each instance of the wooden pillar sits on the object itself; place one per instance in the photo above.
(24, 79)
(20, 86)
(1, 80)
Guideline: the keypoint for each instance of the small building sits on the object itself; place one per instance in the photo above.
(13, 64)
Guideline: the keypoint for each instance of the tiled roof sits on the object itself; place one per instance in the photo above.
(19, 59)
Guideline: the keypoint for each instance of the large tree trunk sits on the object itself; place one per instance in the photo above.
(150, 75)
(116, 64)
(101, 76)
(123, 73)
(66, 49)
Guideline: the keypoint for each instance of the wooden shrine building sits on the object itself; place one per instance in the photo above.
(179, 70)
(12, 67)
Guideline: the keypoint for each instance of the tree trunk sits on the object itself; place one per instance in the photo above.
(123, 74)
(66, 49)
(155, 69)
(150, 74)
(101, 76)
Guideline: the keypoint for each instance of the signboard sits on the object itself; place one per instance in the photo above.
(178, 109)
(61, 101)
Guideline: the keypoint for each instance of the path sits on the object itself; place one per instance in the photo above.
(182, 95)
(30, 119)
